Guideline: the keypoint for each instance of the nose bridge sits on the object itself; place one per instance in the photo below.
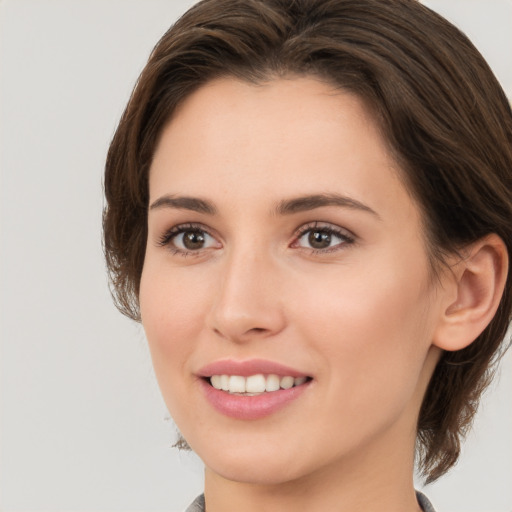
(247, 302)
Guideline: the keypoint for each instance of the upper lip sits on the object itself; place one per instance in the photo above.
(247, 368)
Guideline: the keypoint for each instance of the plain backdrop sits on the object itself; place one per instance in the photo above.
(83, 426)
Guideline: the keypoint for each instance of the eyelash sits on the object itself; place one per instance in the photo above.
(166, 240)
(344, 235)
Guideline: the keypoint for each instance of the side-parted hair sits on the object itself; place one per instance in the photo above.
(439, 107)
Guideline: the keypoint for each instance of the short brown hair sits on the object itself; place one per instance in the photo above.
(440, 108)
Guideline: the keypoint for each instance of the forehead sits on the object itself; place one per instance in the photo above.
(284, 137)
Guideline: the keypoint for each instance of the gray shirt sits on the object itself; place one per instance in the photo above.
(198, 504)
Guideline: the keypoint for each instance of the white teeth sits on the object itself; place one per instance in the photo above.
(216, 381)
(286, 382)
(272, 383)
(224, 382)
(254, 384)
(236, 384)
(299, 380)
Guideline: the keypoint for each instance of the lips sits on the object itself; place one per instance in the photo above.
(247, 368)
(251, 389)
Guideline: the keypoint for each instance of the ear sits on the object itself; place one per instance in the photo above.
(471, 293)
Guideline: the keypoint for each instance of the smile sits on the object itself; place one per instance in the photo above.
(254, 385)
(252, 389)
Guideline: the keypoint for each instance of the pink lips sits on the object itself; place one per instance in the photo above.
(249, 407)
(246, 368)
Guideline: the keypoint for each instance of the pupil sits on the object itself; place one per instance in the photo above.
(319, 239)
(193, 239)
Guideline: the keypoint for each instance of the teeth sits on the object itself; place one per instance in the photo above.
(224, 382)
(286, 382)
(216, 381)
(254, 384)
(272, 383)
(236, 384)
(299, 380)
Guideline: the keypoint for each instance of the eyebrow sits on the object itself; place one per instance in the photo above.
(305, 203)
(284, 207)
(184, 203)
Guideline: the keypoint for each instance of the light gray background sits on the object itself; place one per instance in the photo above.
(83, 427)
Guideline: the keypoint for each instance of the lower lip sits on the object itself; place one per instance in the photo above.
(251, 407)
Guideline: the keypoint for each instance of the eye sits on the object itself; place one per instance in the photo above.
(322, 238)
(192, 240)
(188, 238)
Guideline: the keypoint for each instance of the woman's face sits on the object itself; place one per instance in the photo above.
(283, 249)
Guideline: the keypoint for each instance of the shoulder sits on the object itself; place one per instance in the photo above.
(424, 502)
(197, 505)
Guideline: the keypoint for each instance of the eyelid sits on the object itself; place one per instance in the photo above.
(344, 234)
(328, 226)
(166, 238)
(347, 237)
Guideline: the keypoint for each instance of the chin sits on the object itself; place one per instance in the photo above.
(258, 463)
(258, 472)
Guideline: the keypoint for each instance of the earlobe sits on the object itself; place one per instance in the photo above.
(477, 283)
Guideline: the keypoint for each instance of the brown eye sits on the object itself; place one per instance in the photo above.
(323, 238)
(190, 239)
(193, 240)
(319, 239)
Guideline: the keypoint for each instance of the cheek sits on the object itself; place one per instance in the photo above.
(373, 334)
(172, 313)
(172, 301)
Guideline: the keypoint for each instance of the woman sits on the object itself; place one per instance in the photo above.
(309, 209)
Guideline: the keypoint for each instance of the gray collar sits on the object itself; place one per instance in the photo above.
(198, 504)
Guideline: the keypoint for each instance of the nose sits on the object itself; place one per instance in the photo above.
(248, 303)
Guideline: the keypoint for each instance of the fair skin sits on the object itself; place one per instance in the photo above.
(339, 290)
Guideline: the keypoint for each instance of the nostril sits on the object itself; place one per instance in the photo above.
(257, 330)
